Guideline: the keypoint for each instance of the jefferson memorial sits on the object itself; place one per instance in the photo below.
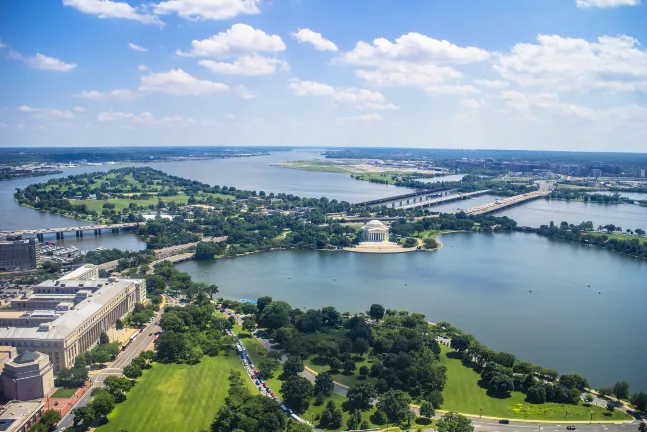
(375, 231)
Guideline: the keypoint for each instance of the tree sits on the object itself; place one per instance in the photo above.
(324, 383)
(267, 367)
(293, 366)
(395, 404)
(588, 398)
(195, 355)
(275, 315)
(354, 419)
(84, 414)
(211, 290)
(336, 364)
(361, 394)
(376, 311)
(249, 325)
(427, 410)
(331, 417)
(39, 427)
(504, 359)
(103, 338)
(132, 371)
(349, 365)
(453, 422)
(621, 390)
(297, 392)
(360, 346)
(611, 406)
(363, 371)
(410, 242)
(103, 404)
(537, 394)
(262, 302)
(461, 342)
(502, 384)
(330, 316)
(119, 324)
(50, 418)
(639, 400)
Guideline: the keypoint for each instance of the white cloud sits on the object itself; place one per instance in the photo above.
(363, 117)
(208, 9)
(527, 104)
(604, 4)
(316, 39)
(244, 92)
(178, 82)
(41, 61)
(79, 109)
(142, 67)
(112, 9)
(230, 117)
(2, 44)
(239, 39)
(413, 59)
(3, 125)
(146, 118)
(249, 65)
(361, 98)
(495, 84)
(120, 94)
(134, 47)
(560, 64)
(471, 103)
(47, 113)
(451, 89)
(380, 106)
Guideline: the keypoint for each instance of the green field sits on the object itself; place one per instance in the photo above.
(176, 397)
(64, 393)
(121, 203)
(463, 394)
(577, 187)
(618, 236)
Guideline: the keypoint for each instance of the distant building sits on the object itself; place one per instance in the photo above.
(28, 376)
(20, 416)
(375, 231)
(640, 172)
(19, 254)
(85, 272)
(595, 172)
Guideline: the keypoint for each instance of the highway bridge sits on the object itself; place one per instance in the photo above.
(406, 199)
(503, 203)
(60, 232)
(444, 199)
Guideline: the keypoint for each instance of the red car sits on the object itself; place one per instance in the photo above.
(156, 337)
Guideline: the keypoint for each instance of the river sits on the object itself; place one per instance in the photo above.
(480, 283)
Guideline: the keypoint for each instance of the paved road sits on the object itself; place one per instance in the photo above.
(493, 426)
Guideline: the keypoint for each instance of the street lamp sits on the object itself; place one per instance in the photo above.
(480, 412)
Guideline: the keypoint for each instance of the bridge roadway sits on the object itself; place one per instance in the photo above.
(60, 231)
(500, 204)
(401, 198)
(444, 199)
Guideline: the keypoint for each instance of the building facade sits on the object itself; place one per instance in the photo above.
(20, 254)
(375, 231)
(28, 376)
(75, 331)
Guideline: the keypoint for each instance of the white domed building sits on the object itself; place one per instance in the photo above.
(375, 231)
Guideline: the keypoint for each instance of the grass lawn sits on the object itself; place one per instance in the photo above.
(340, 377)
(176, 397)
(463, 394)
(387, 178)
(618, 236)
(578, 187)
(64, 393)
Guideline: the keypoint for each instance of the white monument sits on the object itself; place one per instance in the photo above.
(375, 231)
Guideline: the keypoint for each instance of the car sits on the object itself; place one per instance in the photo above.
(504, 421)
(570, 427)
(150, 334)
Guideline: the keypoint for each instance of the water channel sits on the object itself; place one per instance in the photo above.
(480, 283)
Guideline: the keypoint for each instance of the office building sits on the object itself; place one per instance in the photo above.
(20, 416)
(20, 255)
(28, 376)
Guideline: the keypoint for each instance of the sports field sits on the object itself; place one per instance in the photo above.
(176, 397)
(463, 394)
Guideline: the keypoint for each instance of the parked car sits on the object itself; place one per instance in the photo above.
(570, 427)
(504, 421)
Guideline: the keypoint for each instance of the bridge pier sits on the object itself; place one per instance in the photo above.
(115, 230)
(40, 237)
(77, 233)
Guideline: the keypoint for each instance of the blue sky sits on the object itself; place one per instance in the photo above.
(516, 74)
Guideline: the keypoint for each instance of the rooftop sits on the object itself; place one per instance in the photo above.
(15, 413)
(78, 272)
(66, 324)
(375, 224)
(26, 357)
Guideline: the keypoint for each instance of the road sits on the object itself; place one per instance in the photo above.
(140, 343)
(494, 426)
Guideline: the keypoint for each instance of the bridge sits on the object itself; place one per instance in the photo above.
(406, 199)
(501, 204)
(444, 199)
(60, 232)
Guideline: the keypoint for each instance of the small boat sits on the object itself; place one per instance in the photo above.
(205, 271)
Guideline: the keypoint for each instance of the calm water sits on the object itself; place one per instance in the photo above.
(540, 212)
(481, 283)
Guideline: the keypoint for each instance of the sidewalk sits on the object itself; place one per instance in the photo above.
(64, 405)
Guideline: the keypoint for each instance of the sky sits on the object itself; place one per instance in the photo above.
(504, 74)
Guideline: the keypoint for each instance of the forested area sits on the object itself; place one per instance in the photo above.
(582, 234)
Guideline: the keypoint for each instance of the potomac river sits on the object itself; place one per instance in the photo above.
(481, 283)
